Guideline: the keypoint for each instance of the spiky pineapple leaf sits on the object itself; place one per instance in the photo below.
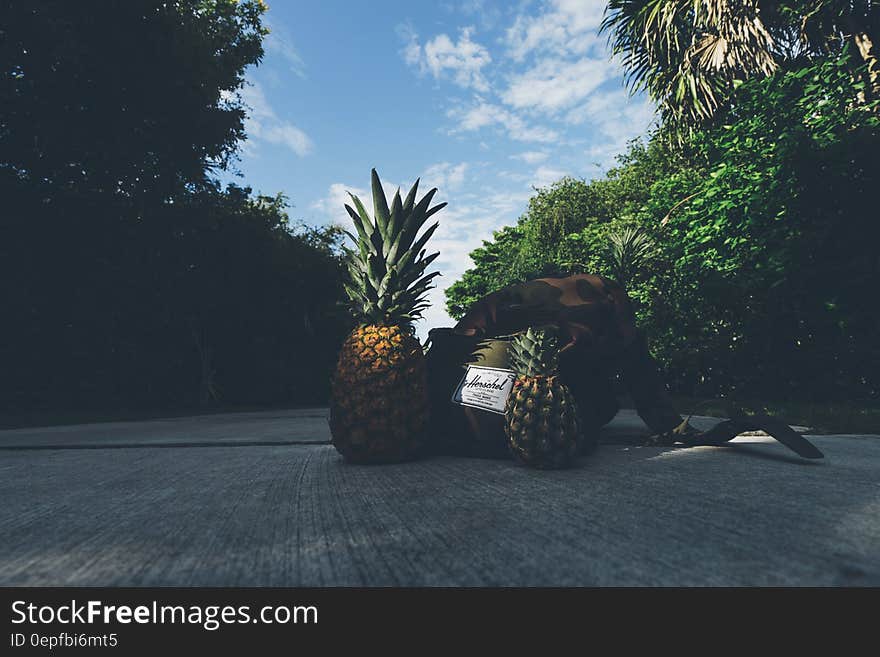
(380, 203)
(365, 223)
(395, 219)
(535, 352)
(436, 208)
(387, 279)
(411, 197)
(423, 240)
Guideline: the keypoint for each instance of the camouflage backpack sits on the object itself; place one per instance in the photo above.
(600, 348)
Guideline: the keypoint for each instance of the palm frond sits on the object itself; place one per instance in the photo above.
(687, 54)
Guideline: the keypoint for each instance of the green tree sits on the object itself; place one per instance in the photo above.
(771, 270)
(760, 282)
(129, 277)
(495, 266)
(565, 228)
(136, 99)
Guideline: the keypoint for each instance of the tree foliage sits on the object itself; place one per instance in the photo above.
(211, 299)
(136, 99)
(761, 279)
(566, 226)
(129, 277)
(775, 230)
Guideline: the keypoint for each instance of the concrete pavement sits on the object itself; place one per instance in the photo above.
(251, 499)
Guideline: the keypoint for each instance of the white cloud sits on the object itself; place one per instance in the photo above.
(332, 205)
(279, 42)
(514, 176)
(445, 176)
(564, 27)
(485, 114)
(531, 157)
(412, 49)
(462, 61)
(555, 84)
(288, 135)
(545, 176)
(262, 123)
(463, 226)
(487, 14)
(479, 116)
(616, 117)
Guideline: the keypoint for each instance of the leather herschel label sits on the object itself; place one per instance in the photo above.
(486, 388)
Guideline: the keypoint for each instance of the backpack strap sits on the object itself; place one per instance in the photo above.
(739, 422)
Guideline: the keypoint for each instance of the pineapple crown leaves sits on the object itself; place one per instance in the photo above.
(386, 279)
(535, 352)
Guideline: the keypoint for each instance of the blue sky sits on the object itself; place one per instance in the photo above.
(484, 100)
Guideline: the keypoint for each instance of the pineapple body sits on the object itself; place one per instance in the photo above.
(542, 425)
(379, 406)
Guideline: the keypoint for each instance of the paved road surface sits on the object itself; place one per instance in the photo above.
(237, 499)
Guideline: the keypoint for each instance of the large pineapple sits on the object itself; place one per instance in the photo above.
(542, 425)
(379, 406)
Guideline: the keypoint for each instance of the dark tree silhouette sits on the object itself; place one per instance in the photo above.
(135, 98)
(128, 276)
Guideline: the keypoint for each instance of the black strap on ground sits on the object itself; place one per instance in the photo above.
(738, 423)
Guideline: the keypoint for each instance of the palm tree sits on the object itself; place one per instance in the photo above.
(690, 54)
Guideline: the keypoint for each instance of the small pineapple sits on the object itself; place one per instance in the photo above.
(379, 402)
(542, 425)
